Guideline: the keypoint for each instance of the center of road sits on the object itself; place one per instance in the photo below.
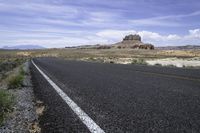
(90, 124)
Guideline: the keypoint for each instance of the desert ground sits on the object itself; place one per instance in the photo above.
(177, 58)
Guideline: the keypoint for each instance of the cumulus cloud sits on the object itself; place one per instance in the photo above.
(193, 37)
(194, 33)
(153, 36)
(62, 38)
(51, 38)
(114, 35)
(62, 41)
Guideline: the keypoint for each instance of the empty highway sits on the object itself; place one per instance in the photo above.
(117, 98)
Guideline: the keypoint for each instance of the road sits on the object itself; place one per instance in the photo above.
(118, 98)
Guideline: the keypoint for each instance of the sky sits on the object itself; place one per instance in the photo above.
(64, 23)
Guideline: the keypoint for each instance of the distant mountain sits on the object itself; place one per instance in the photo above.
(186, 47)
(23, 47)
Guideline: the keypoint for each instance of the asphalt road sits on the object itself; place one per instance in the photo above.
(119, 98)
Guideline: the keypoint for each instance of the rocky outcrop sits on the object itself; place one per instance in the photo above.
(146, 46)
(132, 37)
(134, 42)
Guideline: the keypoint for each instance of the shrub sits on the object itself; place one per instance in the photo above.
(3, 76)
(134, 61)
(91, 59)
(15, 81)
(139, 61)
(157, 64)
(6, 103)
(22, 72)
(171, 65)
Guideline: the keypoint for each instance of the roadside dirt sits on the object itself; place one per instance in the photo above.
(23, 119)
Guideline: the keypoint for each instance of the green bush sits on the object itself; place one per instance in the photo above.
(9, 64)
(139, 61)
(157, 64)
(22, 72)
(15, 81)
(3, 76)
(6, 103)
(134, 61)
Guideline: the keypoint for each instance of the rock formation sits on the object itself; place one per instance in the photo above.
(134, 42)
(132, 37)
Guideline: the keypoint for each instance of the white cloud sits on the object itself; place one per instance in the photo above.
(50, 38)
(61, 42)
(62, 38)
(193, 37)
(146, 35)
(156, 37)
(114, 35)
(173, 37)
(194, 33)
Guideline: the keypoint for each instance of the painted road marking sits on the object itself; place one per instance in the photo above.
(91, 125)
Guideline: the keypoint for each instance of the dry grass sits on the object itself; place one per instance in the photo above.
(6, 103)
(83, 53)
(117, 53)
(180, 53)
(8, 68)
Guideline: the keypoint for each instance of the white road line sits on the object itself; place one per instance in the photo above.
(91, 125)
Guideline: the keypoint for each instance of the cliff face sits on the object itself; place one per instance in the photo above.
(134, 42)
(132, 38)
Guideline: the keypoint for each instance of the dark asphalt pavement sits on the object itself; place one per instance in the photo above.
(119, 98)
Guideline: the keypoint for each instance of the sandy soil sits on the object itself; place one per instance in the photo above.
(190, 62)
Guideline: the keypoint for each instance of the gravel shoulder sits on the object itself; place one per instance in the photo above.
(24, 118)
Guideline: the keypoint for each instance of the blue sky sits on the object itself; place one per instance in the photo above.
(60, 23)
